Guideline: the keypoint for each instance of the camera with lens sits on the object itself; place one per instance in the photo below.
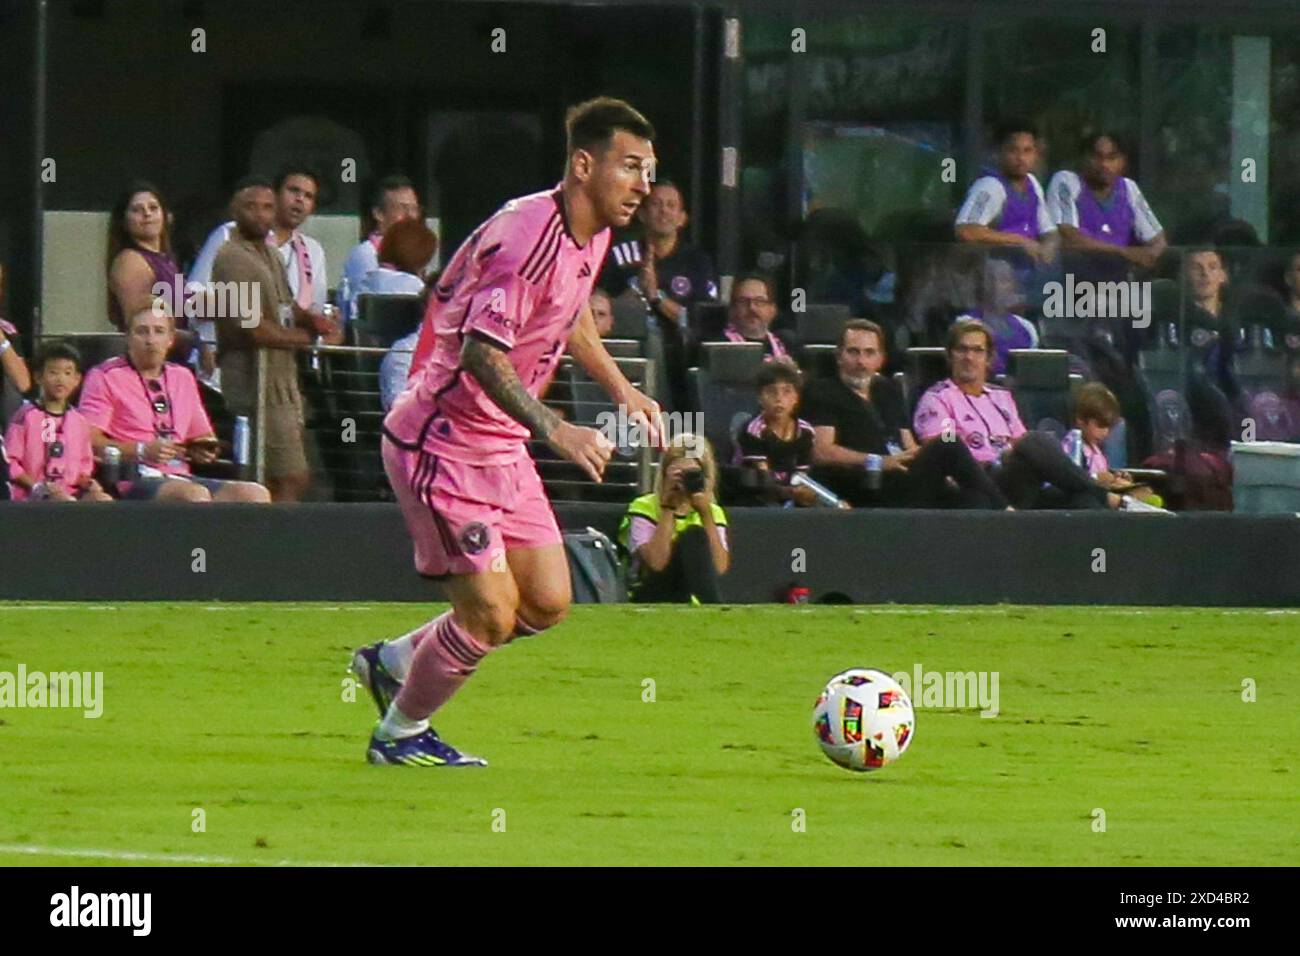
(693, 481)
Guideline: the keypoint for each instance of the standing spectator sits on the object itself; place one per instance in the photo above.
(296, 190)
(776, 441)
(280, 326)
(149, 409)
(48, 440)
(860, 426)
(676, 536)
(394, 199)
(750, 315)
(670, 274)
(1028, 467)
(1100, 211)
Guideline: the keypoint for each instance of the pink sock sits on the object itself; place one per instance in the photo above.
(524, 629)
(441, 664)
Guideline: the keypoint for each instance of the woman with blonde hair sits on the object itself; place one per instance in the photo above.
(676, 536)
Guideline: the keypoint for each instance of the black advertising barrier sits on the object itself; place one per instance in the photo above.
(361, 552)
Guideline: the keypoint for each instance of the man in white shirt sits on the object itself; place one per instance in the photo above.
(296, 189)
(394, 200)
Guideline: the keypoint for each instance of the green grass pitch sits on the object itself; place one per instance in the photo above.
(239, 711)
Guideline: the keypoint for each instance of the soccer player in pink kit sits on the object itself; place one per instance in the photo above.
(506, 307)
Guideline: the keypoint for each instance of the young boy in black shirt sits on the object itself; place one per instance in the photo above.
(776, 440)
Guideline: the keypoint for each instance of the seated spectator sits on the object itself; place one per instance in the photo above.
(1102, 213)
(863, 447)
(296, 189)
(676, 536)
(1000, 294)
(140, 259)
(1289, 338)
(281, 327)
(404, 256)
(750, 315)
(602, 310)
(1211, 343)
(1096, 413)
(14, 369)
(1006, 206)
(776, 441)
(48, 441)
(394, 199)
(149, 409)
(1029, 468)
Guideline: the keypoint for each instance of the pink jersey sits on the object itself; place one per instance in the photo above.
(55, 449)
(988, 423)
(519, 282)
(126, 406)
(1094, 459)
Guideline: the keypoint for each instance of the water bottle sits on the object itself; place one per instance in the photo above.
(1171, 335)
(825, 496)
(1074, 446)
(344, 296)
(1267, 337)
(241, 440)
(112, 470)
(875, 465)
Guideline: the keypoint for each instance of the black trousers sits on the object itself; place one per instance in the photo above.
(1035, 460)
(690, 571)
(925, 484)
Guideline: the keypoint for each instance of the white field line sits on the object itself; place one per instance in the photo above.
(131, 856)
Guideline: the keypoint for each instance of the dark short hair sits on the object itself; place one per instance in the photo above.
(387, 185)
(251, 181)
(591, 125)
(774, 373)
(964, 327)
(1096, 403)
(295, 169)
(862, 325)
(53, 351)
(660, 182)
(1088, 142)
(755, 275)
(1011, 127)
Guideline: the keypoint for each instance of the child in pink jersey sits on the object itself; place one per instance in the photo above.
(48, 441)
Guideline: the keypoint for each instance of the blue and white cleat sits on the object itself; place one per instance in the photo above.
(425, 749)
(369, 669)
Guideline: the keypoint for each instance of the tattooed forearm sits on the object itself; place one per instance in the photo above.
(490, 366)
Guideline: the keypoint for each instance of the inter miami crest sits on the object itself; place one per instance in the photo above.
(474, 538)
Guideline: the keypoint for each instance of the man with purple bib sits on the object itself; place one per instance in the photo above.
(1006, 207)
(1102, 214)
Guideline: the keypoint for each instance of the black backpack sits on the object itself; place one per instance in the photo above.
(594, 568)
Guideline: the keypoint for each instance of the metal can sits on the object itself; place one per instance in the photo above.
(1074, 446)
(112, 457)
(241, 440)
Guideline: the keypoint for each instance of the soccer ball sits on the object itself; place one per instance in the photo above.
(863, 719)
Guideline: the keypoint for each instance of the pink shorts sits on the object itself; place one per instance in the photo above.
(462, 517)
